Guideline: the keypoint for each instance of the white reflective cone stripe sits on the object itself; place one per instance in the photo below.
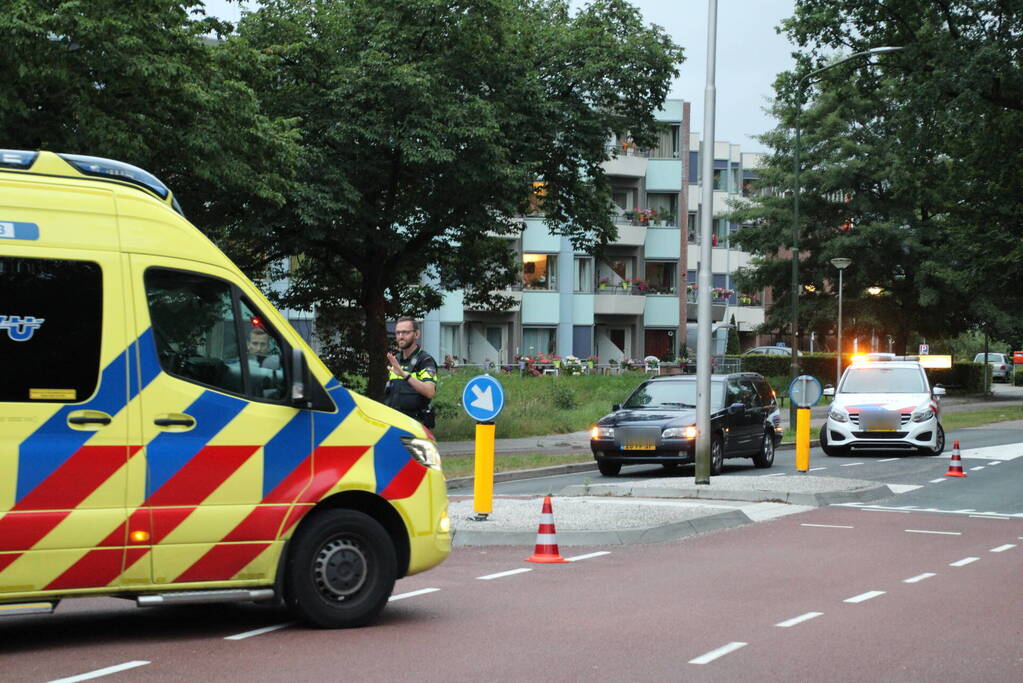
(546, 539)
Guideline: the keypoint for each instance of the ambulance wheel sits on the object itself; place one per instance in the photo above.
(341, 569)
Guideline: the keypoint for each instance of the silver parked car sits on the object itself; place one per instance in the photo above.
(1001, 366)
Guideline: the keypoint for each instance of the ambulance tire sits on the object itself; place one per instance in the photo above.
(341, 569)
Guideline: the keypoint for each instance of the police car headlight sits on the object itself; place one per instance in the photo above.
(923, 414)
(602, 433)
(679, 432)
(838, 415)
(424, 451)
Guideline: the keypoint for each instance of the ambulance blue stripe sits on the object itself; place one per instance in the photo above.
(389, 457)
(144, 365)
(50, 446)
(170, 451)
(290, 446)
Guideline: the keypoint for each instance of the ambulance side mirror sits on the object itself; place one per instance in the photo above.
(306, 391)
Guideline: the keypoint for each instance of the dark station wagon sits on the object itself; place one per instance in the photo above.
(657, 424)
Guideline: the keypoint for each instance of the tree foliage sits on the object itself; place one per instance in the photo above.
(920, 151)
(424, 126)
(143, 82)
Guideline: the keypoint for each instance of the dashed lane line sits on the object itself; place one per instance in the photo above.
(714, 654)
(588, 556)
(101, 672)
(829, 526)
(888, 459)
(863, 597)
(259, 631)
(815, 469)
(498, 575)
(798, 620)
(989, 515)
(412, 594)
(940, 533)
(963, 562)
(995, 462)
(938, 481)
(852, 464)
(978, 467)
(919, 577)
(1003, 548)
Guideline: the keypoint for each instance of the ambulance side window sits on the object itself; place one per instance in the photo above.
(264, 354)
(194, 327)
(51, 318)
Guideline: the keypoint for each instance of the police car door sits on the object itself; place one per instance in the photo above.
(64, 453)
(226, 454)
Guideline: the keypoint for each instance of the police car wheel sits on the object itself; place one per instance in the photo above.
(341, 569)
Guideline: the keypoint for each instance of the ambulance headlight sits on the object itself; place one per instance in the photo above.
(424, 451)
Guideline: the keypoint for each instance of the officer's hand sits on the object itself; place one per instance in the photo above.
(394, 362)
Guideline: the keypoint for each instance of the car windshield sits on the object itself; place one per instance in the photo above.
(672, 394)
(884, 381)
(991, 358)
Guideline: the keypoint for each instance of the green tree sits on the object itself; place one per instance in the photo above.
(959, 133)
(733, 339)
(425, 125)
(145, 83)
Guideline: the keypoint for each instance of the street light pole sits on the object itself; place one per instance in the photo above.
(841, 264)
(794, 365)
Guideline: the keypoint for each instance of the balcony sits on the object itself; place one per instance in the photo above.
(619, 301)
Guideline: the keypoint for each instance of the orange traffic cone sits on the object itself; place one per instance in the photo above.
(955, 466)
(546, 541)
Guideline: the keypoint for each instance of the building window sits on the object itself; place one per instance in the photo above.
(540, 271)
(692, 226)
(612, 273)
(664, 206)
(537, 340)
(667, 142)
(583, 274)
(660, 277)
(719, 179)
(450, 342)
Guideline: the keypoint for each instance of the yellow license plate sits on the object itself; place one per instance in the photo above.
(639, 447)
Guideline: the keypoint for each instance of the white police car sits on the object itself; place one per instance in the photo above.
(883, 405)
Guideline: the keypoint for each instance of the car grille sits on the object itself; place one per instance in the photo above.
(854, 419)
(638, 438)
(880, 435)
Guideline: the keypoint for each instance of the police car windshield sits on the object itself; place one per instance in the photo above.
(884, 381)
(673, 394)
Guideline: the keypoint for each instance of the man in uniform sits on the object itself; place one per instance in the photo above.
(412, 377)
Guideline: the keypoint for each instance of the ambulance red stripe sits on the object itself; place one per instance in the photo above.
(201, 475)
(95, 568)
(405, 482)
(72, 482)
(22, 530)
(222, 563)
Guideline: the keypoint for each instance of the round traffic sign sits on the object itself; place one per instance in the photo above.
(483, 398)
(805, 391)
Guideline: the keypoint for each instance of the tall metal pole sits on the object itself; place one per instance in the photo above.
(838, 356)
(705, 279)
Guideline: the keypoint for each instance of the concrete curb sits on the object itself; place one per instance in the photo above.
(667, 532)
(570, 468)
(822, 499)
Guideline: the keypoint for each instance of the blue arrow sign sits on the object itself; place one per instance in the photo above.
(483, 398)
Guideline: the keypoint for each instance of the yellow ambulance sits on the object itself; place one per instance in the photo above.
(166, 435)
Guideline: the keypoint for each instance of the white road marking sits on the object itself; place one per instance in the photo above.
(412, 594)
(989, 515)
(779, 474)
(829, 526)
(963, 562)
(938, 481)
(978, 467)
(862, 597)
(498, 575)
(588, 556)
(852, 464)
(924, 531)
(888, 459)
(714, 654)
(904, 488)
(995, 462)
(799, 620)
(814, 469)
(905, 512)
(919, 577)
(101, 672)
(259, 631)
(978, 515)
(1003, 548)
(1009, 451)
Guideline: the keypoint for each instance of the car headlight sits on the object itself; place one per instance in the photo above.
(679, 432)
(602, 433)
(923, 414)
(838, 415)
(423, 451)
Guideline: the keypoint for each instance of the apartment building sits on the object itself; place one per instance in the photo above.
(629, 302)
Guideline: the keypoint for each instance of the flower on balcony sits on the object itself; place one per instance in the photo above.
(721, 293)
(639, 283)
(604, 283)
(644, 215)
(691, 287)
(747, 299)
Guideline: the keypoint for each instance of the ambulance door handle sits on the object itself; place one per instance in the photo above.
(175, 422)
(88, 419)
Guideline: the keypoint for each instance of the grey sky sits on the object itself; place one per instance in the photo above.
(750, 54)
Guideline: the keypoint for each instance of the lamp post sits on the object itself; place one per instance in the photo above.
(794, 366)
(841, 264)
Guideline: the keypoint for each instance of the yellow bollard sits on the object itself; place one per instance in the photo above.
(483, 483)
(803, 439)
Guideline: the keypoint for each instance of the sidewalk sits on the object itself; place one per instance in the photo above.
(606, 512)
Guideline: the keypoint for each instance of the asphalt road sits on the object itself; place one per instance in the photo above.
(834, 594)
